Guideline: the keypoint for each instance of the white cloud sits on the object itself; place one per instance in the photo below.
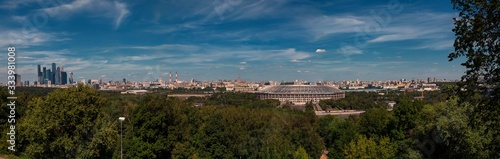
(294, 54)
(393, 37)
(427, 25)
(13, 4)
(320, 50)
(349, 50)
(437, 45)
(164, 47)
(321, 26)
(22, 38)
(122, 13)
(110, 9)
(243, 62)
(143, 57)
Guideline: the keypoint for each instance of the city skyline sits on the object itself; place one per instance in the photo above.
(54, 76)
(259, 41)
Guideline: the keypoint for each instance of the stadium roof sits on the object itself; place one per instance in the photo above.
(300, 89)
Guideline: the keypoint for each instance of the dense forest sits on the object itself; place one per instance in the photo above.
(83, 123)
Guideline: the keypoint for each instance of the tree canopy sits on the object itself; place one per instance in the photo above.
(477, 31)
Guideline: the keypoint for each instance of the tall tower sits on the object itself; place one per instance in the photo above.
(44, 75)
(170, 74)
(18, 80)
(53, 73)
(38, 73)
(58, 76)
(176, 77)
(49, 76)
(64, 78)
(71, 78)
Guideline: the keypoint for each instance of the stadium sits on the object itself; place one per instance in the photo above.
(300, 94)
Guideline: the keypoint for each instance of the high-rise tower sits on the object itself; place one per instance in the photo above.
(49, 76)
(58, 76)
(64, 78)
(71, 78)
(53, 73)
(44, 75)
(38, 73)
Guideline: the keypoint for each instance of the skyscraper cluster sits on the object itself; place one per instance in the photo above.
(56, 75)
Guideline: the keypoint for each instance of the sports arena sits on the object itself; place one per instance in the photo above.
(300, 94)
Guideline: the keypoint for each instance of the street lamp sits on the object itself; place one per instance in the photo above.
(121, 136)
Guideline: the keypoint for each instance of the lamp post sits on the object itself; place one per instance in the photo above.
(121, 136)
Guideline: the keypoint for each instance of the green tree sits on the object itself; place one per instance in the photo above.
(300, 153)
(67, 124)
(361, 148)
(375, 122)
(477, 31)
(369, 148)
(445, 127)
(337, 132)
(405, 116)
(149, 125)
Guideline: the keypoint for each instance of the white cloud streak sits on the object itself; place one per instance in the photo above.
(349, 50)
(111, 9)
(23, 38)
(320, 50)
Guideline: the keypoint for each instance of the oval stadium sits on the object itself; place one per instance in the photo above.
(300, 94)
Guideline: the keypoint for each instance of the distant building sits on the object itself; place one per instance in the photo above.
(429, 87)
(300, 94)
(39, 73)
(44, 75)
(58, 76)
(390, 104)
(53, 73)
(48, 77)
(18, 80)
(95, 86)
(64, 78)
(135, 92)
(71, 81)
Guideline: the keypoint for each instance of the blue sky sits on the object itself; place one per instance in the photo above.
(223, 39)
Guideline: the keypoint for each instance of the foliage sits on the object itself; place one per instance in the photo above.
(445, 128)
(244, 127)
(353, 101)
(477, 31)
(229, 125)
(477, 38)
(405, 115)
(369, 148)
(67, 124)
(148, 138)
(300, 154)
(337, 132)
(375, 122)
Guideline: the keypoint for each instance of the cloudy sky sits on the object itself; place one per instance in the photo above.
(223, 39)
